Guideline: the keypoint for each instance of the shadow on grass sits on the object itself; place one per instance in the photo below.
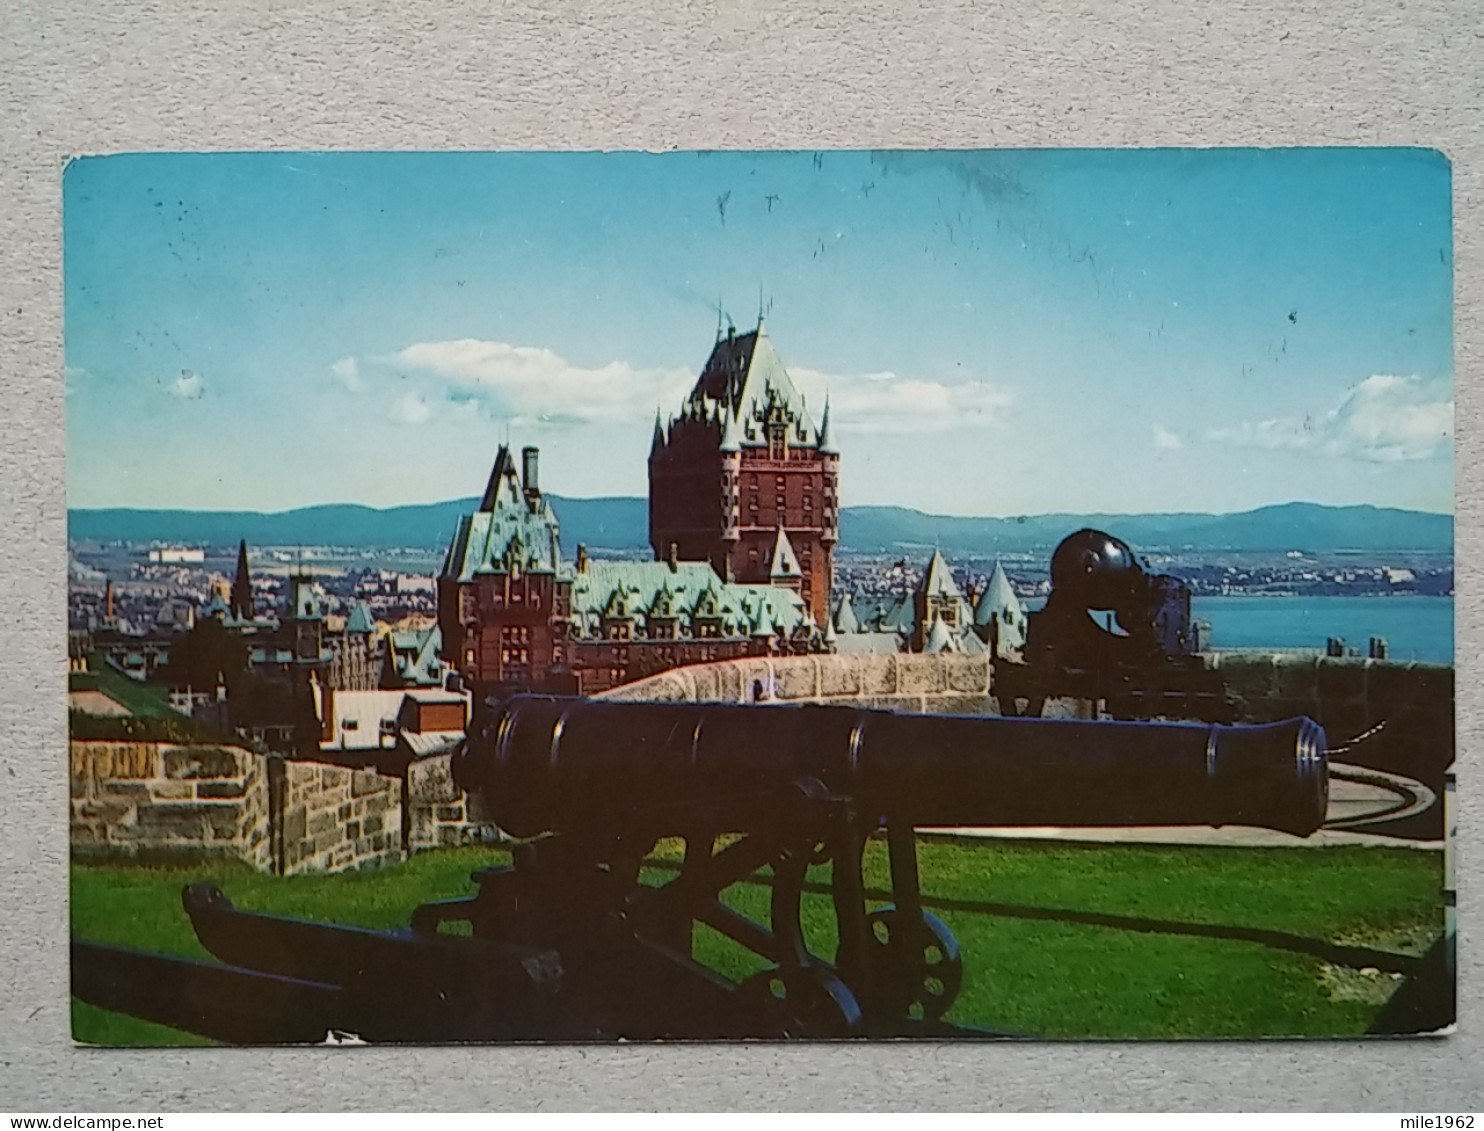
(1357, 957)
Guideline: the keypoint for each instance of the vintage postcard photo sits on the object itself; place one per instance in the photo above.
(759, 595)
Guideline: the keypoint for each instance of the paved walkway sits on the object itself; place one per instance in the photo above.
(1353, 797)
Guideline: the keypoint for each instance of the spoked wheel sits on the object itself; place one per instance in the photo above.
(919, 960)
(803, 1001)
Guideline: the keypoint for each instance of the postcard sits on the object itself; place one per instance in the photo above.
(760, 595)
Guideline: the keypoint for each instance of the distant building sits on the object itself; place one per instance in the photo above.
(999, 617)
(513, 614)
(177, 555)
(934, 616)
(742, 478)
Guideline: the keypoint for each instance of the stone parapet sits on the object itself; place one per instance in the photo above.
(158, 802)
(933, 684)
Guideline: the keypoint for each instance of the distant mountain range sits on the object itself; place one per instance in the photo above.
(622, 524)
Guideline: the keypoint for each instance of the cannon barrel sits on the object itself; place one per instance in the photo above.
(565, 765)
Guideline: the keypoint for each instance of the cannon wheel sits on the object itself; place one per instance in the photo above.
(922, 959)
(811, 1001)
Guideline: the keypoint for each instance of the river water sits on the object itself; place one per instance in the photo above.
(1415, 628)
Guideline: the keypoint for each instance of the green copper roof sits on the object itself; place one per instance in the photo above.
(845, 619)
(691, 591)
(998, 597)
(938, 580)
(746, 379)
(359, 619)
(509, 537)
(939, 639)
(782, 561)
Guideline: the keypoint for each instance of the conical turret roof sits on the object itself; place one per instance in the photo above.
(998, 596)
(845, 619)
(784, 563)
(938, 580)
(826, 438)
(939, 639)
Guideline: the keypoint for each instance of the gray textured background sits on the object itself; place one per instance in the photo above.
(80, 76)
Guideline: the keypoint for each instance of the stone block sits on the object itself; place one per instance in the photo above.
(333, 777)
(961, 705)
(346, 811)
(902, 704)
(192, 762)
(379, 803)
(221, 789)
(448, 835)
(878, 674)
(921, 675)
(173, 790)
(839, 677)
(752, 675)
(109, 813)
(431, 780)
(796, 678)
(124, 790)
(328, 839)
(76, 786)
(127, 760)
(295, 823)
(967, 674)
(173, 820)
(320, 822)
(706, 683)
(372, 825)
(365, 782)
(352, 830)
(449, 813)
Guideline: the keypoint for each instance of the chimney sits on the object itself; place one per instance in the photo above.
(674, 558)
(581, 557)
(528, 458)
(108, 602)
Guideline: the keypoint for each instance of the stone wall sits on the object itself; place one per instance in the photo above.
(1413, 704)
(335, 819)
(157, 802)
(439, 814)
(161, 803)
(937, 684)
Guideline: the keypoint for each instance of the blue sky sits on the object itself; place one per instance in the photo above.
(999, 332)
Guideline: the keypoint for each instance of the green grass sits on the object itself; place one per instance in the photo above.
(1036, 976)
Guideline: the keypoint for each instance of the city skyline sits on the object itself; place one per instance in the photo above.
(998, 332)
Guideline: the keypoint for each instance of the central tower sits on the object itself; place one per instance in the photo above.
(743, 479)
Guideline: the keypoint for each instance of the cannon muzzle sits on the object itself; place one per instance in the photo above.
(565, 765)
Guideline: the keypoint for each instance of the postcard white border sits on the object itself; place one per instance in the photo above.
(83, 76)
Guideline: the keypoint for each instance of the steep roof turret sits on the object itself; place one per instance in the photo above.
(938, 580)
(784, 563)
(845, 619)
(939, 639)
(826, 437)
(997, 597)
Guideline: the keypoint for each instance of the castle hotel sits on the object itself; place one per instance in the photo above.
(743, 523)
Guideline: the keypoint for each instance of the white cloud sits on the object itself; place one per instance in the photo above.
(1384, 419)
(188, 386)
(1166, 440)
(889, 403)
(527, 384)
(410, 408)
(347, 374)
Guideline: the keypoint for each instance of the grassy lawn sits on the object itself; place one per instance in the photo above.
(1042, 976)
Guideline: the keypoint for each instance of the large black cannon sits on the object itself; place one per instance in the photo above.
(580, 939)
